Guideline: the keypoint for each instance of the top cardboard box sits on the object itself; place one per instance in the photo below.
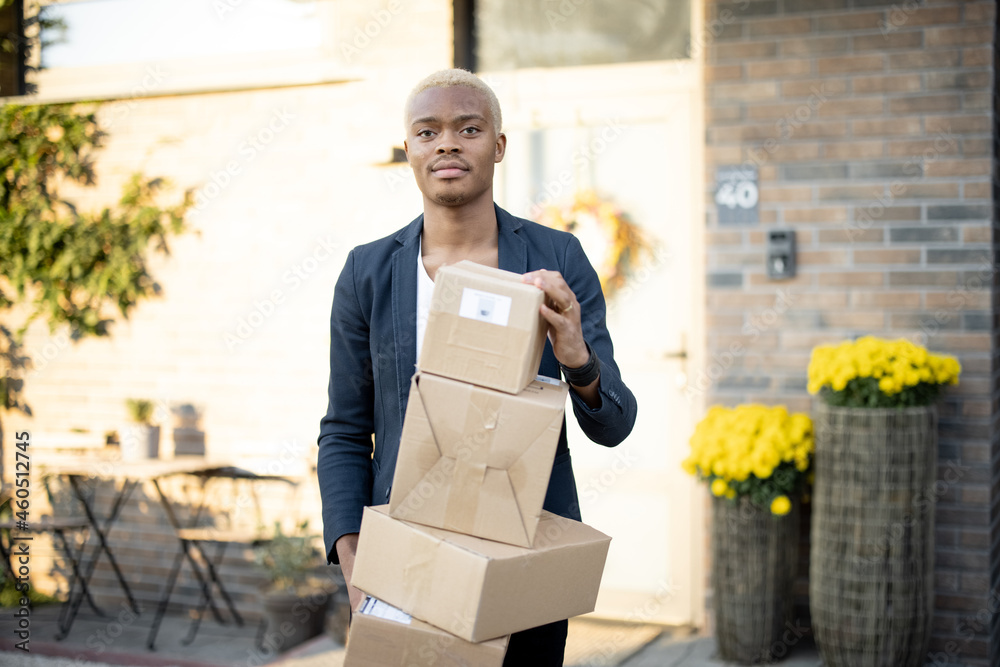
(484, 327)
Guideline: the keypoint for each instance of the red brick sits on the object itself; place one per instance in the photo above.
(912, 148)
(977, 57)
(887, 256)
(962, 299)
(924, 104)
(806, 340)
(723, 72)
(925, 190)
(813, 87)
(924, 59)
(851, 236)
(982, 12)
(792, 152)
(851, 278)
(962, 36)
(770, 112)
(854, 319)
(893, 40)
(716, 321)
(757, 90)
(724, 114)
(975, 124)
(814, 214)
(959, 80)
(780, 26)
(719, 259)
(888, 126)
(976, 147)
(813, 45)
(767, 173)
(932, 16)
(768, 69)
(738, 299)
(923, 278)
(981, 342)
(726, 238)
(743, 50)
(976, 190)
(850, 21)
(822, 257)
(802, 281)
(771, 195)
(885, 298)
(977, 101)
(845, 64)
(973, 408)
(858, 106)
(815, 129)
(963, 167)
(853, 150)
(723, 154)
(898, 83)
(854, 192)
(977, 234)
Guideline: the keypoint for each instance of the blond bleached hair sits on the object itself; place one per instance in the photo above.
(447, 78)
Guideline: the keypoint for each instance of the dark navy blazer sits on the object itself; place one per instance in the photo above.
(373, 357)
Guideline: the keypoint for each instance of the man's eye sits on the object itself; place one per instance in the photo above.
(424, 133)
(470, 130)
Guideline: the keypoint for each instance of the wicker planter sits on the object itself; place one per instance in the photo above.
(753, 568)
(871, 579)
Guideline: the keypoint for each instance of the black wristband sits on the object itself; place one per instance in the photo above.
(584, 375)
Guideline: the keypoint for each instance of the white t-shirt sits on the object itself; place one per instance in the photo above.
(425, 288)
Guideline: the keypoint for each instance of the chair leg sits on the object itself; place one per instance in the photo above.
(161, 608)
(72, 605)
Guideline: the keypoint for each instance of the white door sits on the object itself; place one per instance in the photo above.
(608, 129)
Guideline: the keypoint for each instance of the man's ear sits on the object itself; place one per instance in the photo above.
(501, 147)
(406, 149)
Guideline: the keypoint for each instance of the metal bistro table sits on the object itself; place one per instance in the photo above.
(129, 474)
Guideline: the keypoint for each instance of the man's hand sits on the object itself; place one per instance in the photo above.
(562, 312)
(347, 547)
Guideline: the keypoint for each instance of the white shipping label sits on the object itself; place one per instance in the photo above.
(548, 380)
(380, 609)
(485, 306)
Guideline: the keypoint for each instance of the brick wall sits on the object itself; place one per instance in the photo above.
(871, 125)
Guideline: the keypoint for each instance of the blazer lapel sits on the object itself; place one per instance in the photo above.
(404, 307)
(512, 249)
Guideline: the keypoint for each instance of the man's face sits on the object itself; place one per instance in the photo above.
(451, 144)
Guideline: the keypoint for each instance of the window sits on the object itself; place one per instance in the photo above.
(566, 33)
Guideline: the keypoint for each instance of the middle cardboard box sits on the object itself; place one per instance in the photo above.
(477, 461)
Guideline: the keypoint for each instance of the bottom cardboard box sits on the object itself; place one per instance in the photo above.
(383, 636)
(475, 588)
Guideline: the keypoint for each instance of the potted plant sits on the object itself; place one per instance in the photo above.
(871, 580)
(757, 462)
(295, 599)
(140, 439)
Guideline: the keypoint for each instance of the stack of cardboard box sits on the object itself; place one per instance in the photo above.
(464, 544)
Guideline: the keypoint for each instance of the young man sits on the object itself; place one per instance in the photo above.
(453, 141)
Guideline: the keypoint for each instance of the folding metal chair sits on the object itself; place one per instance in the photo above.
(194, 541)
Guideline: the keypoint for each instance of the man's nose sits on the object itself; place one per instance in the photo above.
(448, 144)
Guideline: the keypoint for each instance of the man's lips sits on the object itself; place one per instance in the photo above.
(449, 169)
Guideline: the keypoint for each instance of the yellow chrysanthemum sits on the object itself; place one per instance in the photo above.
(781, 506)
(719, 487)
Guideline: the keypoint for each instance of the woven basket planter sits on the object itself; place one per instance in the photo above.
(753, 568)
(871, 578)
